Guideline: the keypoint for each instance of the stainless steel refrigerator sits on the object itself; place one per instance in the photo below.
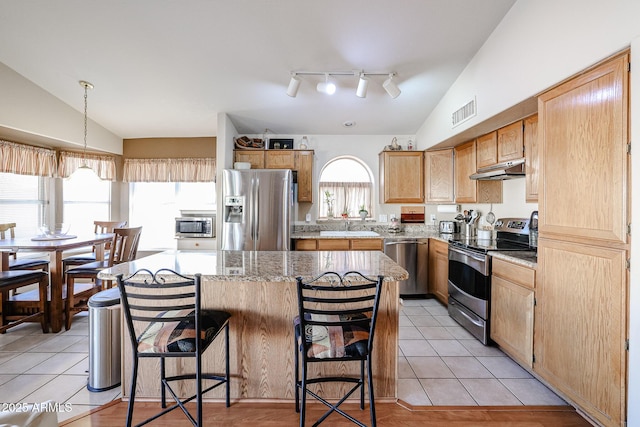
(257, 209)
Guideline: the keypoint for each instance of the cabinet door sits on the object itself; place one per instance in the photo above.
(439, 176)
(510, 142)
(439, 270)
(402, 176)
(305, 245)
(580, 324)
(532, 158)
(366, 244)
(487, 150)
(255, 157)
(333, 244)
(279, 159)
(304, 168)
(583, 139)
(465, 165)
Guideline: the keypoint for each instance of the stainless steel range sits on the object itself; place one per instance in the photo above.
(470, 273)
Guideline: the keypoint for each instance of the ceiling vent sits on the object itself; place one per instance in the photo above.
(463, 114)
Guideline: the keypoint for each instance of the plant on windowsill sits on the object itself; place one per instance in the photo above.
(328, 199)
(345, 213)
(363, 212)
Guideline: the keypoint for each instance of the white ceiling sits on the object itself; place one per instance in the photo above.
(166, 68)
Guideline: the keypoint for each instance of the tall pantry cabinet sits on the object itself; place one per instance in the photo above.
(581, 294)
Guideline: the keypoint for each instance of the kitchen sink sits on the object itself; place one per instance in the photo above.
(349, 233)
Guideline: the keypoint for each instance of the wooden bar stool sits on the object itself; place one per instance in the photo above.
(14, 279)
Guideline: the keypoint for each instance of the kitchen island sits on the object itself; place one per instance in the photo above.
(259, 290)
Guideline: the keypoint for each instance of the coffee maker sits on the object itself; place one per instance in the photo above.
(533, 230)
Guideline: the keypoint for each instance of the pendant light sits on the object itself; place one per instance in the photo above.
(84, 170)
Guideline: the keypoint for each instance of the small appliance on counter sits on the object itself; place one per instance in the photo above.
(449, 227)
(533, 230)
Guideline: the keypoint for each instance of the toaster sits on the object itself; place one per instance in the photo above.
(449, 227)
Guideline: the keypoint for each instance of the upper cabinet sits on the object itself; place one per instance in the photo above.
(300, 161)
(532, 158)
(401, 176)
(439, 176)
(466, 189)
(510, 142)
(487, 150)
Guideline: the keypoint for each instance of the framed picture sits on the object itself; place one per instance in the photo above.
(281, 144)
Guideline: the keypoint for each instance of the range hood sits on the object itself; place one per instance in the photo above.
(501, 171)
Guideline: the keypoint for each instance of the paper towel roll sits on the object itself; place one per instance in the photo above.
(448, 208)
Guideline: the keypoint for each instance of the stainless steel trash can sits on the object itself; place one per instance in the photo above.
(104, 340)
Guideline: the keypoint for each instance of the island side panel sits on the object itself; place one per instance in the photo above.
(262, 345)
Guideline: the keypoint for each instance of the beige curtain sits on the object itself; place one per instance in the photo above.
(169, 170)
(27, 160)
(347, 196)
(103, 165)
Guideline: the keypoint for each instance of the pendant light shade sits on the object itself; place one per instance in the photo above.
(391, 87)
(363, 85)
(294, 85)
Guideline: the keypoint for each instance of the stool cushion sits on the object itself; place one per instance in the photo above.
(12, 277)
(179, 337)
(347, 340)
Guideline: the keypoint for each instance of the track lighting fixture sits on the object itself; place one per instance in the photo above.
(363, 85)
(329, 87)
(326, 86)
(391, 87)
(294, 85)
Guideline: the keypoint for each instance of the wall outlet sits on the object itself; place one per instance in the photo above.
(433, 217)
(382, 218)
(307, 218)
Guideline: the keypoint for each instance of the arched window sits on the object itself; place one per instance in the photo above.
(346, 185)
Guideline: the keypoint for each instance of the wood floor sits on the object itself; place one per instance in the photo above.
(388, 414)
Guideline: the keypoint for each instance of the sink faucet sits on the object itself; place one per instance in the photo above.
(346, 225)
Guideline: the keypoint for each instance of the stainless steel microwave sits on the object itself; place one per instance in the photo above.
(188, 227)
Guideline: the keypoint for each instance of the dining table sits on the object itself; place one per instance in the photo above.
(55, 247)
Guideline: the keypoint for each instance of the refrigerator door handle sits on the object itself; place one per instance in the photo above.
(256, 211)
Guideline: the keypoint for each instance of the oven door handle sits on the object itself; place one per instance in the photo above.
(479, 262)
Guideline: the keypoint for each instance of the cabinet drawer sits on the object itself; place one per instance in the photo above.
(333, 244)
(366, 244)
(515, 273)
(306, 245)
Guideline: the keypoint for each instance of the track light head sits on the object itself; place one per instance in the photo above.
(363, 85)
(391, 87)
(326, 86)
(294, 85)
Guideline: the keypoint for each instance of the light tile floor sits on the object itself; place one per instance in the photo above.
(439, 364)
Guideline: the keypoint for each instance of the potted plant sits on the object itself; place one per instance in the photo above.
(328, 199)
(363, 212)
(345, 213)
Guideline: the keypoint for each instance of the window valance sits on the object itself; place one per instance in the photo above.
(103, 165)
(170, 170)
(26, 159)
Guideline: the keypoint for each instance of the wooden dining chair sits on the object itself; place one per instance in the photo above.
(164, 319)
(335, 323)
(99, 227)
(22, 263)
(14, 279)
(124, 248)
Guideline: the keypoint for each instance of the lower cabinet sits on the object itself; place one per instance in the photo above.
(512, 308)
(439, 270)
(338, 244)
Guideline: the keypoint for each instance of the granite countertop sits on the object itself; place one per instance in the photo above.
(524, 258)
(263, 266)
(382, 235)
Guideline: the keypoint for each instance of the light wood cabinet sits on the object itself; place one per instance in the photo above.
(487, 150)
(512, 309)
(401, 176)
(338, 244)
(581, 293)
(510, 142)
(532, 158)
(439, 180)
(468, 190)
(439, 270)
(300, 161)
(255, 157)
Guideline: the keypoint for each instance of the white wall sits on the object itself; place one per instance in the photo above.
(27, 108)
(537, 45)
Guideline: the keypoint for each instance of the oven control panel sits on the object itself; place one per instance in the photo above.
(513, 225)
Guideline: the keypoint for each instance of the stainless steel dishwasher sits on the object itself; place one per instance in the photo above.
(412, 255)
